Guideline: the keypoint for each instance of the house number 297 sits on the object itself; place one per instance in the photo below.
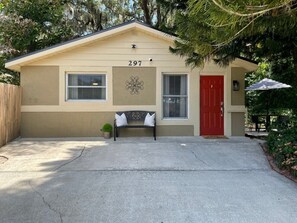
(135, 63)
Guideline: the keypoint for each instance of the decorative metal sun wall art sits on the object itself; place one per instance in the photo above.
(134, 85)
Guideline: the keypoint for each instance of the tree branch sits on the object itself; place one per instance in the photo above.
(146, 11)
(250, 14)
(236, 34)
(219, 26)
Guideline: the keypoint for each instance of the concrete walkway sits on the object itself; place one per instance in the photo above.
(186, 179)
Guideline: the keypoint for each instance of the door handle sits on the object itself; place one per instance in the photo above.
(222, 108)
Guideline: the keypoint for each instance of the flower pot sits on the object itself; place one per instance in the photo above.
(106, 135)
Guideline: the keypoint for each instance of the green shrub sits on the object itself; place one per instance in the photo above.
(107, 128)
(282, 145)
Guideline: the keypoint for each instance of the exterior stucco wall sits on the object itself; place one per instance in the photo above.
(64, 124)
(141, 79)
(84, 124)
(40, 85)
(237, 124)
(237, 97)
(177, 130)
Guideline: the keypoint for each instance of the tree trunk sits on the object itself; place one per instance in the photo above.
(294, 52)
(146, 12)
(158, 24)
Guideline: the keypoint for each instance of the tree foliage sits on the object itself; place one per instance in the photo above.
(223, 30)
(26, 26)
(87, 16)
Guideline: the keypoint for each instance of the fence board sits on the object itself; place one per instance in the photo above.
(10, 112)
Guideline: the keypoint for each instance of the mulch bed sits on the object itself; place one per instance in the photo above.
(273, 166)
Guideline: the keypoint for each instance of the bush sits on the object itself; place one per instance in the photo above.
(282, 145)
(107, 128)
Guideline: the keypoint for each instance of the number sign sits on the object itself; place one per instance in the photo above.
(134, 63)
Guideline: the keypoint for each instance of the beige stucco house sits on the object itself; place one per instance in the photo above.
(73, 88)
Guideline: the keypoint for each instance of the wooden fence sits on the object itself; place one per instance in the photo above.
(10, 112)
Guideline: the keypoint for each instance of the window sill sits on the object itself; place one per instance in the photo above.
(175, 119)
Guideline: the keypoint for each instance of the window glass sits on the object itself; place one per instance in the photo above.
(86, 80)
(86, 87)
(175, 98)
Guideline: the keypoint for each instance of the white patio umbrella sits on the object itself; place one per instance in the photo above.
(264, 85)
(267, 84)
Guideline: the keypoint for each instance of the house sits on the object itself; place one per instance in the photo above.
(73, 88)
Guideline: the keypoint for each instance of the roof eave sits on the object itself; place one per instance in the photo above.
(13, 67)
(248, 65)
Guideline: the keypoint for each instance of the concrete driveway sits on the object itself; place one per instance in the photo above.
(187, 179)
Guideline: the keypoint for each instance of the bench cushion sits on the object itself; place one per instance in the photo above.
(121, 120)
(149, 119)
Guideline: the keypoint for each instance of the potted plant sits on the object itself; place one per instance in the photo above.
(106, 130)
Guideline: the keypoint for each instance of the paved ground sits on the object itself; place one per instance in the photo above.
(186, 179)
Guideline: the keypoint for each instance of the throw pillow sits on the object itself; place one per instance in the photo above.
(149, 119)
(121, 120)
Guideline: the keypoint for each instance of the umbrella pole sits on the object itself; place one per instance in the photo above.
(267, 123)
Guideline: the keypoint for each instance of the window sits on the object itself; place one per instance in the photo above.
(175, 98)
(86, 87)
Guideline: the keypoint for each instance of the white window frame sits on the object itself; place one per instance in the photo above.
(85, 100)
(187, 96)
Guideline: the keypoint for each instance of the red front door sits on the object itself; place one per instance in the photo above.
(212, 105)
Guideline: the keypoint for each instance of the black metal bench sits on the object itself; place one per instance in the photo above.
(135, 119)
